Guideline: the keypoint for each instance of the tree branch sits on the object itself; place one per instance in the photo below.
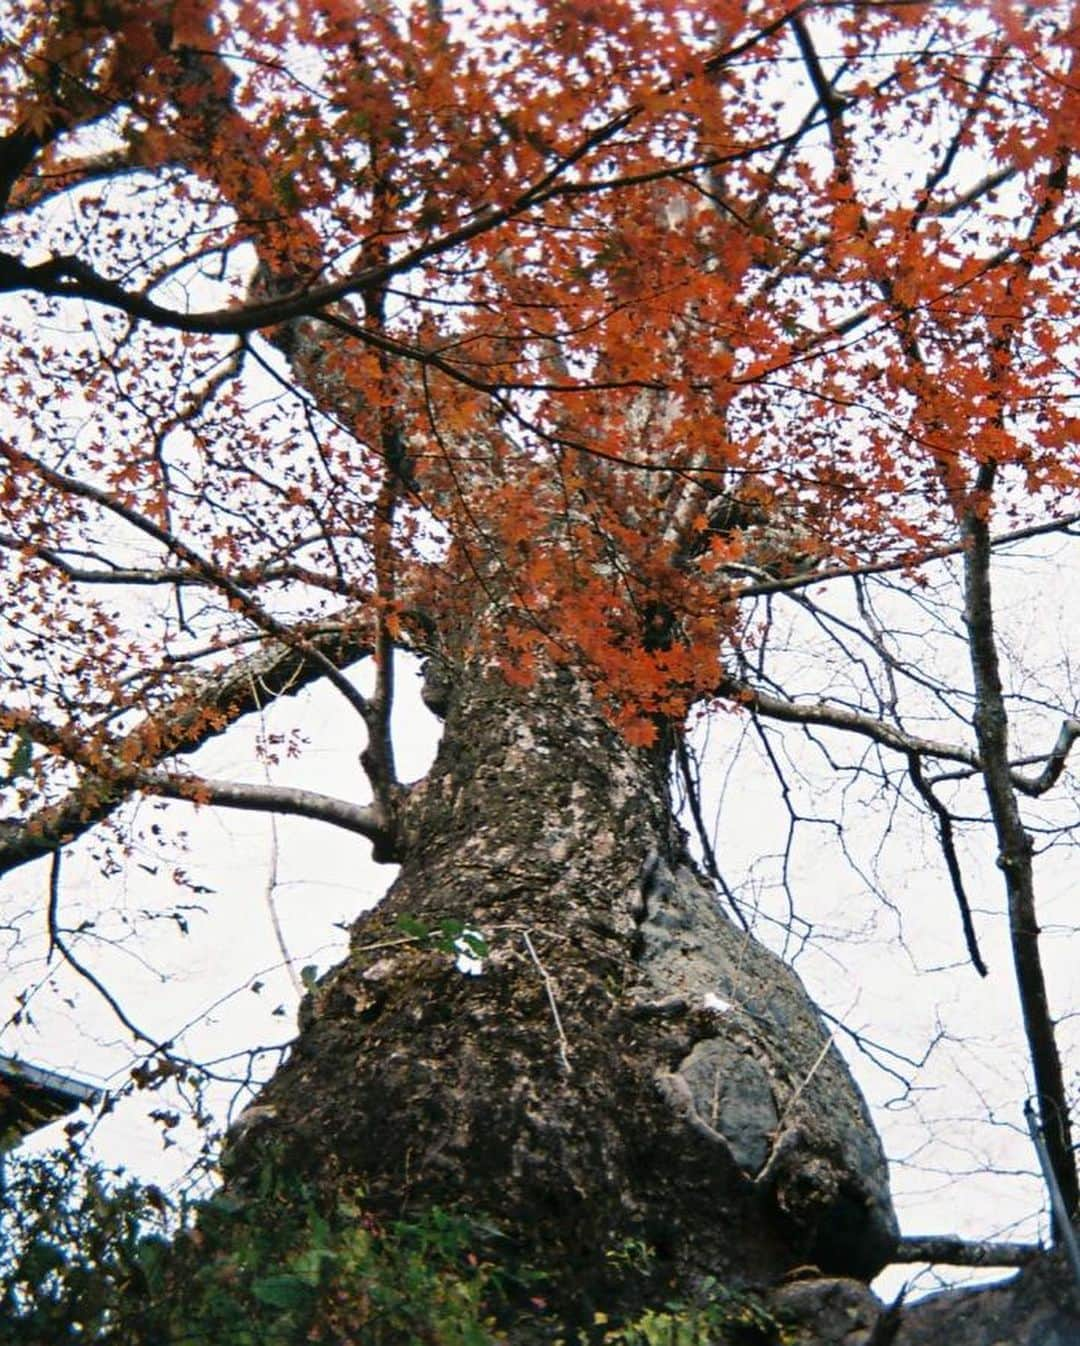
(960, 1252)
(59, 943)
(104, 574)
(693, 800)
(1015, 848)
(1055, 762)
(205, 705)
(952, 860)
(839, 717)
(368, 821)
(892, 736)
(826, 574)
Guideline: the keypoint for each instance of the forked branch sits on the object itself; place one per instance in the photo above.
(827, 716)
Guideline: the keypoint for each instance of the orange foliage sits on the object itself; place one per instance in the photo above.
(561, 281)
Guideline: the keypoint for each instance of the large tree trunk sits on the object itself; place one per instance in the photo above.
(628, 1065)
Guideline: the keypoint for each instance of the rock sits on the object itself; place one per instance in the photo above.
(762, 1078)
(730, 1093)
(829, 1312)
(1038, 1307)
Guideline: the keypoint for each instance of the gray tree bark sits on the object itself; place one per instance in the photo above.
(628, 1065)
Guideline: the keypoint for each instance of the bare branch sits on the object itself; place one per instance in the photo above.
(840, 717)
(1055, 763)
(708, 852)
(1015, 850)
(952, 860)
(370, 822)
(106, 574)
(998, 540)
(58, 942)
(960, 1252)
(205, 705)
(892, 736)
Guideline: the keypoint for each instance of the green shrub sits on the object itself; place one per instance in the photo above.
(87, 1259)
(717, 1316)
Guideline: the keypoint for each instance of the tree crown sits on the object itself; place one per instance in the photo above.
(594, 321)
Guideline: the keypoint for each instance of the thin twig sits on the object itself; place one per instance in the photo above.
(708, 853)
(785, 1139)
(550, 988)
(272, 873)
(56, 941)
(271, 906)
(808, 1076)
(1059, 1209)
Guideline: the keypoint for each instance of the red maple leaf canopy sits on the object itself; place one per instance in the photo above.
(574, 324)
(544, 337)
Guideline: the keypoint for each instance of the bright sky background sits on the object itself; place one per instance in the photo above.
(895, 970)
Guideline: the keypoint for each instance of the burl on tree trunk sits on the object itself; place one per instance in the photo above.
(628, 1065)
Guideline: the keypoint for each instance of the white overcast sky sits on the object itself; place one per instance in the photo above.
(894, 970)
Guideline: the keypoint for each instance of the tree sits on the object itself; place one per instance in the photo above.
(543, 345)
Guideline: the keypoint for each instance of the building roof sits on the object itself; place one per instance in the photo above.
(31, 1097)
